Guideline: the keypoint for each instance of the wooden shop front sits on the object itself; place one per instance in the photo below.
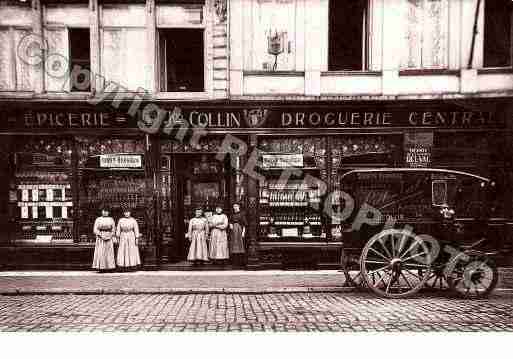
(282, 161)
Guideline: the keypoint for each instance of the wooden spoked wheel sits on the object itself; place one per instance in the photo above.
(437, 279)
(472, 275)
(395, 263)
(351, 267)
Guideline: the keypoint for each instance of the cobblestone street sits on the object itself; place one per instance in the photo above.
(280, 312)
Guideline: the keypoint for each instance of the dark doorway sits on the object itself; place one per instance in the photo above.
(202, 181)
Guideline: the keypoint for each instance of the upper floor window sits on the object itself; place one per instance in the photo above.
(427, 26)
(348, 24)
(497, 33)
(273, 35)
(124, 47)
(80, 59)
(66, 32)
(16, 73)
(181, 44)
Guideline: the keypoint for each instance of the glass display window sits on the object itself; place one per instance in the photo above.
(290, 204)
(88, 147)
(112, 174)
(41, 190)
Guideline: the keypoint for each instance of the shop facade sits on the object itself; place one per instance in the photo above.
(283, 162)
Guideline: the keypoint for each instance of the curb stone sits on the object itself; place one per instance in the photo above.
(124, 291)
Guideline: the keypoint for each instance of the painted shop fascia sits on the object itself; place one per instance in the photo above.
(104, 139)
(249, 117)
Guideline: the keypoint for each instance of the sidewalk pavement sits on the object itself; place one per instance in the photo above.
(159, 282)
(86, 282)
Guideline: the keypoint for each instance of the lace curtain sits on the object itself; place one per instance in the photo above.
(10, 60)
(426, 34)
(124, 52)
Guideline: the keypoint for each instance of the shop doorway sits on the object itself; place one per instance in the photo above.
(201, 181)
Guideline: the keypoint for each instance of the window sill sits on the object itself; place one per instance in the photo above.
(182, 96)
(351, 73)
(16, 92)
(495, 70)
(75, 95)
(428, 72)
(275, 73)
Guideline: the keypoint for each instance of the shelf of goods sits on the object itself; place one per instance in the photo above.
(166, 204)
(116, 192)
(42, 205)
(291, 211)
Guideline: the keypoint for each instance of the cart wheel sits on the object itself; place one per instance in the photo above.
(436, 280)
(472, 275)
(395, 263)
(351, 267)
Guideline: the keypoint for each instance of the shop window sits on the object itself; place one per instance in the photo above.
(290, 209)
(80, 58)
(40, 193)
(426, 34)
(273, 32)
(348, 35)
(124, 47)
(181, 60)
(497, 33)
(361, 151)
(112, 174)
(467, 151)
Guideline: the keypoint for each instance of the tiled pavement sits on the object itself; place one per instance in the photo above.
(278, 312)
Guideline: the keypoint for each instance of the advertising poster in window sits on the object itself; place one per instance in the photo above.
(418, 148)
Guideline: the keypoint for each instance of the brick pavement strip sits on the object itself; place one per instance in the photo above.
(272, 312)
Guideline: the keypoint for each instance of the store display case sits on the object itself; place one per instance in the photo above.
(291, 205)
(40, 192)
(111, 173)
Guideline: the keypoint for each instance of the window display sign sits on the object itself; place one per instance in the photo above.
(279, 161)
(417, 149)
(120, 161)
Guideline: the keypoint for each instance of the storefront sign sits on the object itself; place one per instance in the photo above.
(120, 161)
(282, 161)
(273, 116)
(325, 118)
(417, 148)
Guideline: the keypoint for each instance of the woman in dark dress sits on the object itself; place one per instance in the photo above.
(237, 233)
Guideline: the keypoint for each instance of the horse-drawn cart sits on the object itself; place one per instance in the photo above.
(414, 228)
